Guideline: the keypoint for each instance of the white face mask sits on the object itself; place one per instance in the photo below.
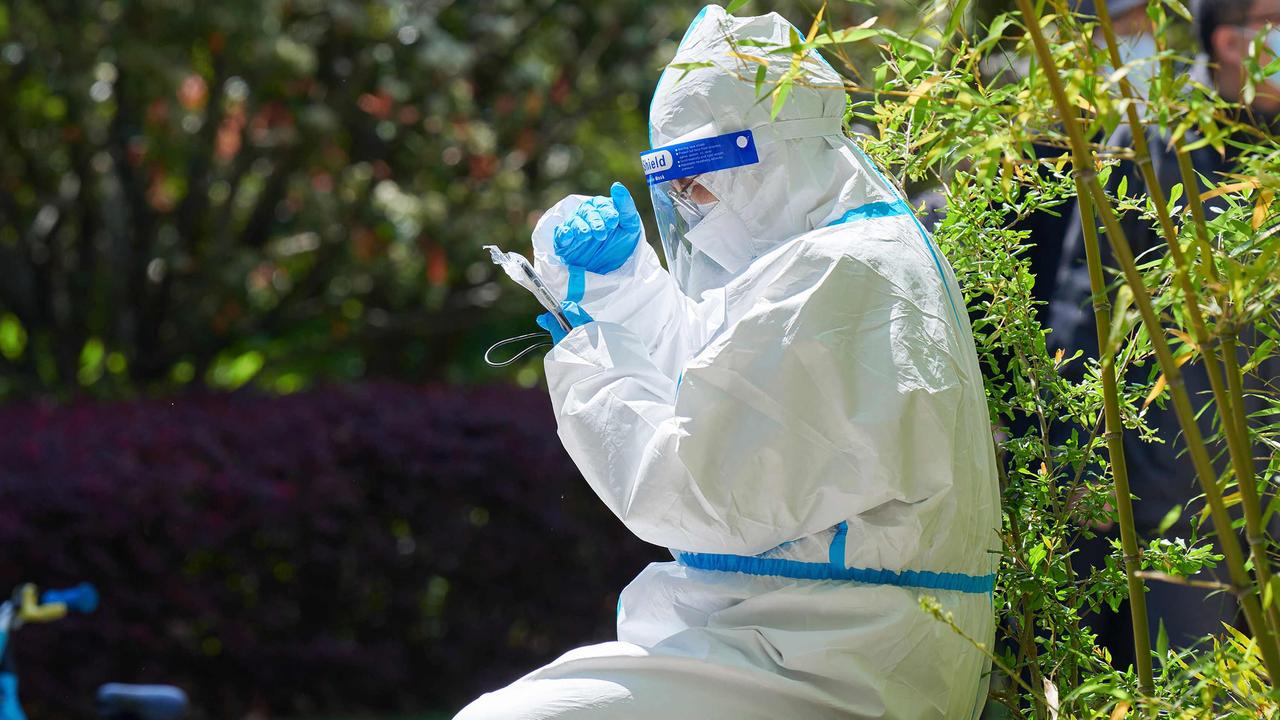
(696, 213)
(724, 238)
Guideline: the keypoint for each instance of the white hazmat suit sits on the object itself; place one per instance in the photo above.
(796, 410)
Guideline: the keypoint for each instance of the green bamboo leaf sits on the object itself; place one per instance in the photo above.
(689, 67)
(1196, 145)
(907, 46)
(1169, 519)
(957, 16)
(1179, 9)
(995, 33)
(817, 23)
(881, 73)
(1036, 555)
(734, 5)
(779, 97)
(760, 75)
(1272, 507)
(1262, 353)
(1174, 194)
(847, 35)
(1121, 320)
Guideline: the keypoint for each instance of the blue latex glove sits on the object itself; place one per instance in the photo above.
(602, 234)
(573, 312)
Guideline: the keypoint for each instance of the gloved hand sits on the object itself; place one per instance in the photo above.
(573, 312)
(602, 234)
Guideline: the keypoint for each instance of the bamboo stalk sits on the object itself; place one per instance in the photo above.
(1084, 168)
(1115, 446)
(1235, 382)
(1234, 431)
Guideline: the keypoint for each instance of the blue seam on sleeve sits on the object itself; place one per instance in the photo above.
(800, 570)
(835, 555)
(577, 284)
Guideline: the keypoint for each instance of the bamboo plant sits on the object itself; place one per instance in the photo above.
(946, 104)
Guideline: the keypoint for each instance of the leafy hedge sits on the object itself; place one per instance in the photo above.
(377, 548)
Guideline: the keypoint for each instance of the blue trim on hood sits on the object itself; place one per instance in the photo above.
(873, 210)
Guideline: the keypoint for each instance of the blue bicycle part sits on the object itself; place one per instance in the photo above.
(82, 598)
(117, 701)
(9, 707)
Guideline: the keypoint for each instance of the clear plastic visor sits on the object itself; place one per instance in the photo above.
(681, 201)
(679, 205)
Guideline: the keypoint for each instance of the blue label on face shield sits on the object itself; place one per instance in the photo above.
(699, 156)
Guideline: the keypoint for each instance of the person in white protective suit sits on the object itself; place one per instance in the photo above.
(794, 407)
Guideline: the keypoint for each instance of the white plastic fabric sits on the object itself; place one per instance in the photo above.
(821, 409)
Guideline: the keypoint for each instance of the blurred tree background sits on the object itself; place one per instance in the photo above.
(290, 197)
(271, 196)
(204, 195)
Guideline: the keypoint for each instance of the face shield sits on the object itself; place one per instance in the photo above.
(704, 242)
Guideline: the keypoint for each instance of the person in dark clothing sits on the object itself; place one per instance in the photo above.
(1160, 474)
(1048, 228)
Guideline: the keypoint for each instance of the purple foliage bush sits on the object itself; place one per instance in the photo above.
(377, 548)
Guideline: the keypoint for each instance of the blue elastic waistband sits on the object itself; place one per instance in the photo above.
(798, 570)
